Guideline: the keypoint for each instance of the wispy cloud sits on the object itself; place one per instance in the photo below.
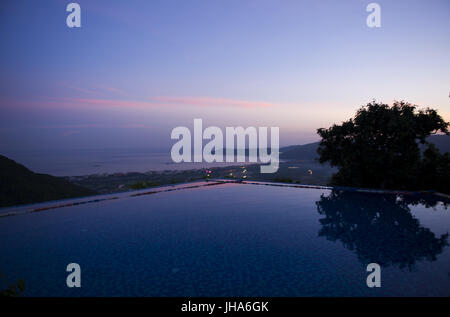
(94, 126)
(114, 90)
(79, 89)
(100, 89)
(164, 101)
(155, 102)
(159, 102)
(208, 101)
(108, 103)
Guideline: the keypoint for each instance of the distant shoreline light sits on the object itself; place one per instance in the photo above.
(213, 151)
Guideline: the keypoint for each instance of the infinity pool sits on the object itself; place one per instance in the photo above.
(233, 240)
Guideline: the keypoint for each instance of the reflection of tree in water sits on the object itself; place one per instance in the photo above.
(379, 228)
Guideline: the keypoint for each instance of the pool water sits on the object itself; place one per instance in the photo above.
(234, 240)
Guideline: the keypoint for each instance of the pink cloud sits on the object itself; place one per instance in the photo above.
(207, 101)
(155, 102)
(80, 102)
(77, 103)
(164, 102)
(94, 125)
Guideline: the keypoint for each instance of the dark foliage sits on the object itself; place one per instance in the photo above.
(379, 148)
(12, 289)
(380, 228)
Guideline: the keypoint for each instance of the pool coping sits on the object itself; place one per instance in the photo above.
(55, 204)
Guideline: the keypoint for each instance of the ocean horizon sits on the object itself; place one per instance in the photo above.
(102, 161)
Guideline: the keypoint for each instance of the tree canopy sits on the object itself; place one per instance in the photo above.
(379, 148)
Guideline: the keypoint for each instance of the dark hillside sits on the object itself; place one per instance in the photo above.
(308, 152)
(19, 185)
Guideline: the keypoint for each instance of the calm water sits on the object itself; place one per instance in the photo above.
(234, 240)
(86, 162)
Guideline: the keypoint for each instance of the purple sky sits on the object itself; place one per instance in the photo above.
(137, 69)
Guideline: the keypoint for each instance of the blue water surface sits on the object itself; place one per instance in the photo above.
(234, 240)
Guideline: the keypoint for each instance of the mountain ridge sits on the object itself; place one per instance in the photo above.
(308, 152)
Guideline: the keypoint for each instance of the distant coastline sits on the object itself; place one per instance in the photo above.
(305, 172)
(102, 161)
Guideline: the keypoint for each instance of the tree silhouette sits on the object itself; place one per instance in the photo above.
(379, 228)
(379, 148)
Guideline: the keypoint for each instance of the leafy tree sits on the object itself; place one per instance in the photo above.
(379, 148)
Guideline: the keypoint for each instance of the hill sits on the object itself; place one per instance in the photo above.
(19, 185)
(308, 152)
(442, 142)
(305, 152)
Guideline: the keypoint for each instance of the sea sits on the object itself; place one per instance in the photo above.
(102, 161)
